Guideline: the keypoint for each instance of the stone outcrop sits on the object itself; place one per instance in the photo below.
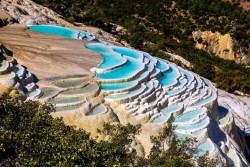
(29, 13)
(15, 78)
(222, 45)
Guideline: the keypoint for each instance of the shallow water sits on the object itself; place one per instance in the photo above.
(188, 116)
(100, 109)
(55, 30)
(131, 68)
(117, 86)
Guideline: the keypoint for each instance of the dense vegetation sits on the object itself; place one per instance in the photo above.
(163, 25)
(29, 136)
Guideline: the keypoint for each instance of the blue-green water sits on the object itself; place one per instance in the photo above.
(188, 116)
(171, 109)
(206, 100)
(204, 147)
(199, 124)
(161, 119)
(100, 109)
(128, 70)
(169, 77)
(55, 30)
(162, 66)
(127, 95)
(99, 47)
(118, 86)
(128, 52)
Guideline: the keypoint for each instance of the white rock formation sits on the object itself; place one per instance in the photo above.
(16, 78)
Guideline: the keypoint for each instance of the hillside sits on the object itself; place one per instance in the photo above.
(168, 26)
(245, 4)
(92, 79)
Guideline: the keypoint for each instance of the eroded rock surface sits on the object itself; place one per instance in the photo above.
(48, 55)
(222, 45)
(28, 13)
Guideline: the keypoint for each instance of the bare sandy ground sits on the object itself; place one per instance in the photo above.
(48, 55)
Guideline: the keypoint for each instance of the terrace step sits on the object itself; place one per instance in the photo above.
(194, 127)
(151, 58)
(20, 71)
(63, 102)
(208, 99)
(155, 74)
(31, 86)
(49, 93)
(5, 65)
(70, 83)
(190, 116)
(97, 110)
(162, 66)
(90, 90)
(126, 97)
(122, 74)
(170, 77)
(174, 110)
(118, 87)
(28, 78)
(161, 119)
(206, 146)
(34, 94)
(79, 107)
(129, 52)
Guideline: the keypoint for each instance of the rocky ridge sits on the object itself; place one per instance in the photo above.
(222, 45)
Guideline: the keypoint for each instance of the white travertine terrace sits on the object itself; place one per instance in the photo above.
(152, 92)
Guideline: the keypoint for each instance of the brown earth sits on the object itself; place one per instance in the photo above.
(48, 55)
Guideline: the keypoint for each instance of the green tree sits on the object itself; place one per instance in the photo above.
(29, 136)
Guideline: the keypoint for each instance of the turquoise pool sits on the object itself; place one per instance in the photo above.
(128, 52)
(118, 86)
(131, 68)
(55, 30)
(204, 147)
(161, 119)
(188, 116)
(162, 66)
(198, 125)
(169, 77)
(110, 59)
(99, 47)
(100, 109)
